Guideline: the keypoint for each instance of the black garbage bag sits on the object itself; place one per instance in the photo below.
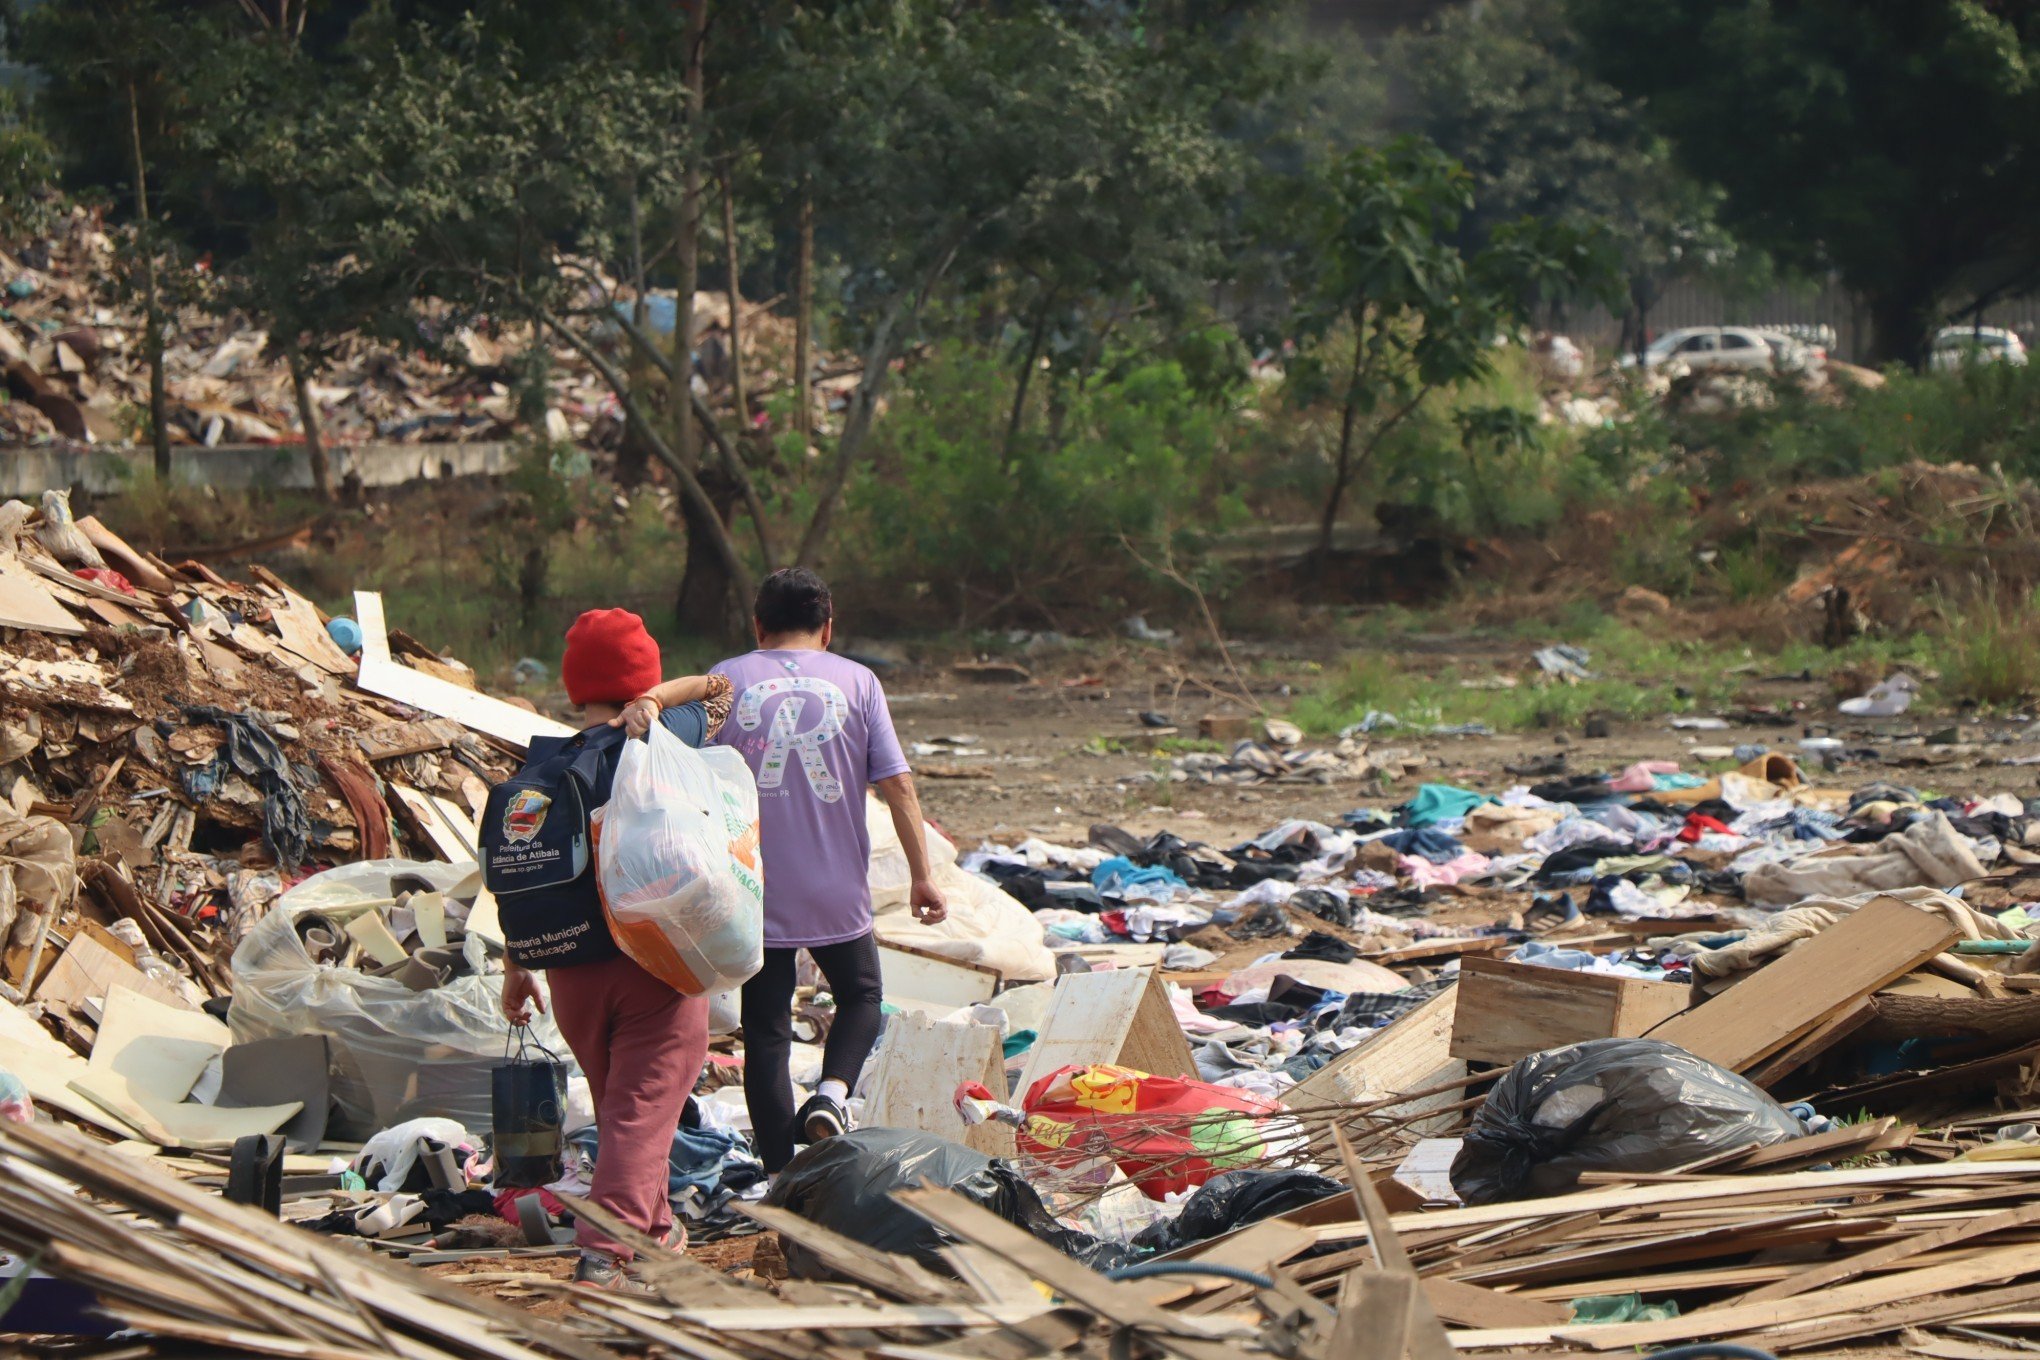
(1233, 1199)
(1627, 1105)
(845, 1183)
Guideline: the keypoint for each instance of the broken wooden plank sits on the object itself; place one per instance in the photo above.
(1412, 1054)
(381, 674)
(1849, 1267)
(26, 602)
(1764, 1012)
(409, 739)
(1818, 1040)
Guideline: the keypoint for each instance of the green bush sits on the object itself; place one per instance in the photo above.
(949, 515)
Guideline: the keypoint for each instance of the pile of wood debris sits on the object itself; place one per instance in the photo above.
(71, 353)
(201, 744)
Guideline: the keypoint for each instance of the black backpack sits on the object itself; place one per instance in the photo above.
(538, 851)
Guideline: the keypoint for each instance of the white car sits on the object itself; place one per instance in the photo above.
(1959, 345)
(1731, 347)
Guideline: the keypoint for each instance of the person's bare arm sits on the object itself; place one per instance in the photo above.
(640, 713)
(905, 805)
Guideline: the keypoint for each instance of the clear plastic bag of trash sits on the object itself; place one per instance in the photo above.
(1623, 1105)
(846, 1184)
(677, 855)
(396, 1054)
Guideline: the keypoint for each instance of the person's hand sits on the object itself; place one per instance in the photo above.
(638, 715)
(930, 907)
(522, 999)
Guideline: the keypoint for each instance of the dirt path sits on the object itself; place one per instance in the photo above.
(1049, 770)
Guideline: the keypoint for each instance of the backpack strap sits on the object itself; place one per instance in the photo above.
(594, 743)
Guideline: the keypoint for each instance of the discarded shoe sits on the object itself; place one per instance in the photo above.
(1549, 912)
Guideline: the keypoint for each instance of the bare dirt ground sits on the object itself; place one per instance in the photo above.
(1050, 770)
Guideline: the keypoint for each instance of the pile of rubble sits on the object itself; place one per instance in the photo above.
(1593, 1059)
(76, 372)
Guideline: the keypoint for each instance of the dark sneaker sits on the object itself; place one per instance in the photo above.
(822, 1118)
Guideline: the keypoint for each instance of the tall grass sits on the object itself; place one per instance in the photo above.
(1993, 650)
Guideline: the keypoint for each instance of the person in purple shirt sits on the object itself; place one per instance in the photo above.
(816, 732)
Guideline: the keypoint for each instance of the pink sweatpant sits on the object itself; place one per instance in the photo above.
(641, 1045)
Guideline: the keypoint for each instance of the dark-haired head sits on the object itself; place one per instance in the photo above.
(793, 602)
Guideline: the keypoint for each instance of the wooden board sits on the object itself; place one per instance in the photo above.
(88, 970)
(1508, 1011)
(1469, 1305)
(120, 555)
(452, 832)
(915, 1072)
(47, 1069)
(1816, 1041)
(380, 674)
(25, 602)
(1797, 1185)
(1849, 1267)
(1409, 1055)
(1118, 1016)
(1733, 1318)
(918, 979)
(1876, 944)
(409, 739)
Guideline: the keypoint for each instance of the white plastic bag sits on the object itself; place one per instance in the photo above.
(676, 853)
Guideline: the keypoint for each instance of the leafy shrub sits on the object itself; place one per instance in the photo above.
(949, 514)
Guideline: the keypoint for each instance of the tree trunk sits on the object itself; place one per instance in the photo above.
(708, 603)
(734, 290)
(308, 416)
(633, 459)
(1342, 470)
(886, 340)
(640, 425)
(152, 304)
(1018, 414)
(804, 326)
(1901, 327)
(687, 242)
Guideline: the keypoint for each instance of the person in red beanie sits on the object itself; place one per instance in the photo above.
(640, 1043)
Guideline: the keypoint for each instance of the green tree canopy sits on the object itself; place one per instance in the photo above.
(1891, 143)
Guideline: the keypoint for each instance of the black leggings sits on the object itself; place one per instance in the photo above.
(851, 969)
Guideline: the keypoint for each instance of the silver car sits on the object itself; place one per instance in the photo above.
(1728, 347)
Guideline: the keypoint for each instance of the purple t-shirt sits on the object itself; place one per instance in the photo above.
(816, 732)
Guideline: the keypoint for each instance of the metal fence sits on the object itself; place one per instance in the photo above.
(1691, 303)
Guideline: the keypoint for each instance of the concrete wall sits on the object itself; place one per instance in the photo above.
(106, 469)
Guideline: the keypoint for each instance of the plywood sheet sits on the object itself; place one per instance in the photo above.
(915, 1072)
(1764, 1012)
(47, 1069)
(380, 674)
(25, 602)
(918, 979)
(88, 971)
(1508, 1011)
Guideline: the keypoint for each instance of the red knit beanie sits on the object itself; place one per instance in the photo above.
(610, 658)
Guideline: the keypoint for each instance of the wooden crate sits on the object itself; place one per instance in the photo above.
(1508, 1011)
